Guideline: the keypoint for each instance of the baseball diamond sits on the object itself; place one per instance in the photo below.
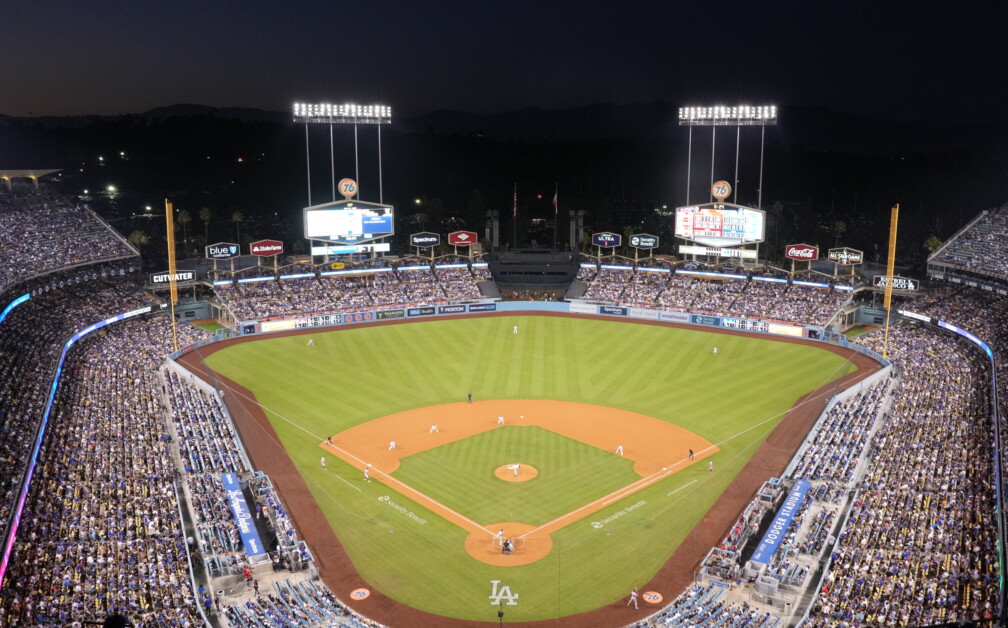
(571, 389)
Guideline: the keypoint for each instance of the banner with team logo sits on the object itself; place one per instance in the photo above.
(242, 516)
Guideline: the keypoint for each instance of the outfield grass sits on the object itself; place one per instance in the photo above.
(354, 375)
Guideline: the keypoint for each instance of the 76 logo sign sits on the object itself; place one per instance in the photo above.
(347, 187)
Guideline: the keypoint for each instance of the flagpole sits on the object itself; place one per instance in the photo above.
(556, 191)
(514, 217)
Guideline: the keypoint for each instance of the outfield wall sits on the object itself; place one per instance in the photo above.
(398, 314)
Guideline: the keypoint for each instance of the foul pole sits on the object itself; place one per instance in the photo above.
(172, 283)
(890, 267)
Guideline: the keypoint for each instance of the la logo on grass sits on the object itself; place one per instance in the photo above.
(502, 593)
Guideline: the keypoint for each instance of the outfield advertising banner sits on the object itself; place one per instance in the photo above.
(785, 330)
(483, 307)
(451, 309)
(242, 516)
(420, 311)
(612, 310)
(703, 319)
(579, 307)
(387, 314)
(778, 528)
(639, 312)
(674, 316)
(358, 317)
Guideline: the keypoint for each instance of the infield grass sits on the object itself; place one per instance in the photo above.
(355, 375)
(461, 476)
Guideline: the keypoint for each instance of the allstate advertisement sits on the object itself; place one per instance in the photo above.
(242, 516)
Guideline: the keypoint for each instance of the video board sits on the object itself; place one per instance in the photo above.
(348, 222)
(720, 224)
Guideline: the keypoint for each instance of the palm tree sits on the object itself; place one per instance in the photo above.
(237, 218)
(139, 239)
(184, 219)
(204, 215)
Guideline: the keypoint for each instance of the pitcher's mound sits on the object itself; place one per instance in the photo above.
(516, 472)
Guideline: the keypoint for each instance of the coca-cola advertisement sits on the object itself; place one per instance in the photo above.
(801, 252)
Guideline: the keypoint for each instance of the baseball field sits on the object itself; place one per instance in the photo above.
(534, 454)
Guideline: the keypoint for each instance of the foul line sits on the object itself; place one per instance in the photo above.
(421, 496)
(680, 488)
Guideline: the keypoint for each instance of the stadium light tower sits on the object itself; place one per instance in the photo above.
(327, 113)
(738, 117)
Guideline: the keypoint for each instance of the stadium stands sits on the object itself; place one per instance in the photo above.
(42, 231)
(102, 530)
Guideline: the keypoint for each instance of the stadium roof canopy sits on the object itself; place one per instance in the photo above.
(26, 174)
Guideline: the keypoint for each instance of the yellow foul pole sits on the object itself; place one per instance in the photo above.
(890, 267)
(172, 283)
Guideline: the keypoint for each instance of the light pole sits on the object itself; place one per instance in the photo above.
(740, 116)
(327, 113)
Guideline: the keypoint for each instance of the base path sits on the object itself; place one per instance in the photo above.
(339, 575)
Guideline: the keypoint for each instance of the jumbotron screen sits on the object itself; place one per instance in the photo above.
(348, 222)
(720, 224)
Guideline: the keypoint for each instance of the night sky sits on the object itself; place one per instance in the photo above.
(874, 59)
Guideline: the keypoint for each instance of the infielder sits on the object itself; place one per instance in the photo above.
(619, 450)
(500, 420)
(433, 429)
(391, 445)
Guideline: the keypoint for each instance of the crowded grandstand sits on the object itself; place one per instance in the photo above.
(114, 454)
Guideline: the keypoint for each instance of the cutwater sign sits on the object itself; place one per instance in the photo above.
(606, 239)
(242, 516)
(778, 528)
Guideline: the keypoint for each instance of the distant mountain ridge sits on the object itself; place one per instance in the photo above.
(814, 128)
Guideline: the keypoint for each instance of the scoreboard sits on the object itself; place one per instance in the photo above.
(348, 222)
(720, 224)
